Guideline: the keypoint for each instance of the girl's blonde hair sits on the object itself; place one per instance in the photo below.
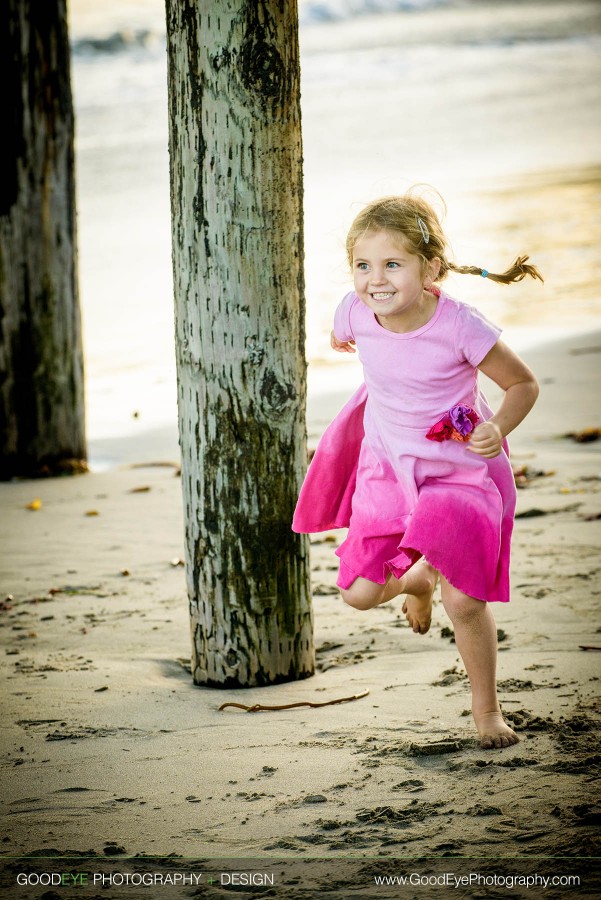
(415, 221)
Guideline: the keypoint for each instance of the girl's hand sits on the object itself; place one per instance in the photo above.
(342, 346)
(486, 440)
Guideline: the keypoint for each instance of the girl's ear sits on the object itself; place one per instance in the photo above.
(433, 268)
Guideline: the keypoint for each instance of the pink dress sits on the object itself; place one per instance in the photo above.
(401, 495)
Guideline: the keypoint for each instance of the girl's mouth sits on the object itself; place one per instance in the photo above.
(383, 295)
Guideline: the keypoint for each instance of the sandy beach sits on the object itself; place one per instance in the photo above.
(110, 750)
(112, 760)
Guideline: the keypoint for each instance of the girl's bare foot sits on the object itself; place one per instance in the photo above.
(419, 583)
(494, 731)
(418, 611)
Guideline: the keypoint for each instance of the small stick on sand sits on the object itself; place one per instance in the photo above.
(258, 707)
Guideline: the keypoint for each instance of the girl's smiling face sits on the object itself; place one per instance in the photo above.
(390, 281)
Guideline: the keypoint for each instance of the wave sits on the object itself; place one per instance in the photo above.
(118, 42)
(312, 12)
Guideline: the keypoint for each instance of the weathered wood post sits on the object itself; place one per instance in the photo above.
(42, 428)
(236, 196)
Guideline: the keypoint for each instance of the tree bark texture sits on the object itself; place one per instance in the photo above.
(41, 361)
(236, 190)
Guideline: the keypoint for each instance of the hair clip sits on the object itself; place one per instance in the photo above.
(484, 273)
(424, 230)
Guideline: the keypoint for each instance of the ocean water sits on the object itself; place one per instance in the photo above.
(494, 103)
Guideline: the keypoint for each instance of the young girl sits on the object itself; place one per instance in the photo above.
(416, 464)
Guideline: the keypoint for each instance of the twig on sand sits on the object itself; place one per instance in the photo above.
(258, 707)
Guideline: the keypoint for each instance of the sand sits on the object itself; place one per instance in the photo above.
(110, 750)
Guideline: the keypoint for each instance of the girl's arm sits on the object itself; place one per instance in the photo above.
(507, 370)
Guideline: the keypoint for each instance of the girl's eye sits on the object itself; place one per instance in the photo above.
(362, 266)
(392, 265)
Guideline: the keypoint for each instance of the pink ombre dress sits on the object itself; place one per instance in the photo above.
(401, 495)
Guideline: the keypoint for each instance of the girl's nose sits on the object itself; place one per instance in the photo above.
(378, 277)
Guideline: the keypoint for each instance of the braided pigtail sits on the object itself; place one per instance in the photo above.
(516, 272)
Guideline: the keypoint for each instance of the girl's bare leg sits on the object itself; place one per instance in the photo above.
(476, 638)
(418, 583)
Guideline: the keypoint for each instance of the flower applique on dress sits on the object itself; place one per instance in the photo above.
(456, 425)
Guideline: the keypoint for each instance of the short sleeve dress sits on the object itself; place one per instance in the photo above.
(401, 495)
